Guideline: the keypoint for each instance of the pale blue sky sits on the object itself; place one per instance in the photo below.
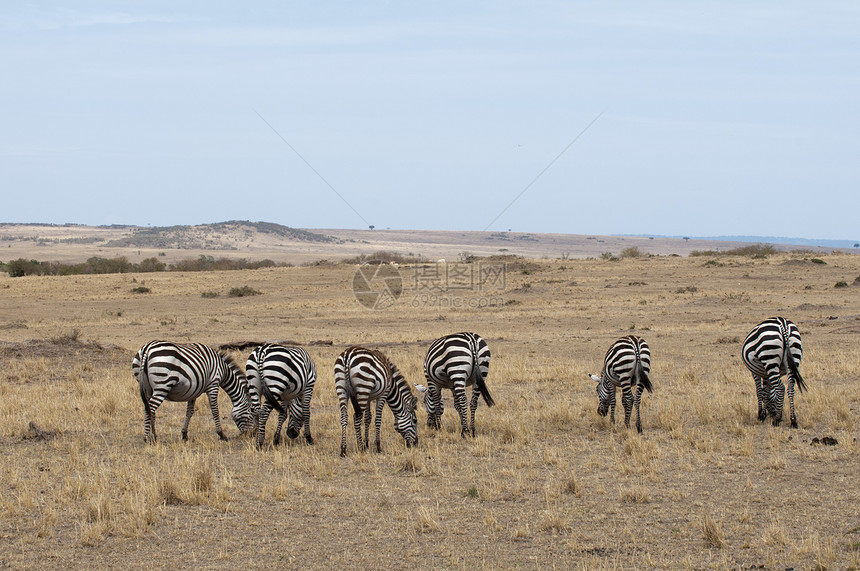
(720, 117)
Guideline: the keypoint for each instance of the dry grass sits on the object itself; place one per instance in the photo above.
(546, 482)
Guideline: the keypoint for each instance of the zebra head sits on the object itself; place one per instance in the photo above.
(236, 387)
(602, 395)
(404, 407)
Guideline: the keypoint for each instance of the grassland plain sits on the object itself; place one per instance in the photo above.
(546, 483)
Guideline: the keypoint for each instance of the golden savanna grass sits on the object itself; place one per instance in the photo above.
(546, 483)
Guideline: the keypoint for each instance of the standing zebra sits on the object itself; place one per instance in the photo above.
(773, 349)
(627, 365)
(183, 372)
(284, 377)
(455, 362)
(362, 376)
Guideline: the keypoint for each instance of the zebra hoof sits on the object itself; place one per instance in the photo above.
(276, 440)
(794, 423)
(310, 439)
(222, 437)
(184, 436)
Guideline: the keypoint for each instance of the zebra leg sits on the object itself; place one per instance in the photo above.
(612, 406)
(189, 412)
(459, 391)
(265, 411)
(380, 404)
(344, 420)
(761, 395)
(434, 411)
(282, 417)
(473, 406)
(627, 401)
(213, 404)
(777, 398)
(151, 406)
(791, 400)
(357, 416)
(637, 401)
(306, 416)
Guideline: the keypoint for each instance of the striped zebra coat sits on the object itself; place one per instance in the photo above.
(362, 376)
(184, 371)
(773, 349)
(281, 378)
(455, 362)
(627, 366)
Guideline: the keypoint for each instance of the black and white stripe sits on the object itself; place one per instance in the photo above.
(184, 371)
(773, 349)
(455, 362)
(283, 378)
(363, 376)
(627, 366)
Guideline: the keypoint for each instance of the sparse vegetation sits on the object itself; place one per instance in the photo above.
(756, 251)
(119, 265)
(546, 482)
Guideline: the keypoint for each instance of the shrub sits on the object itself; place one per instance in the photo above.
(140, 289)
(22, 267)
(243, 291)
(632, 252)
(841, 284)
(209, 294)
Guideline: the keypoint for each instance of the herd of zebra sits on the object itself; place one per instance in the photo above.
(282, 378)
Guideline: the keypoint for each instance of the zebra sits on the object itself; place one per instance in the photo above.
(183, 372)
(281, 375)
(455, 362)
(627, 365)
(364, 375)
(773, 349)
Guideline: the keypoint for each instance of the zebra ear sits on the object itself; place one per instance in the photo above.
(421, 388)
(595, 378)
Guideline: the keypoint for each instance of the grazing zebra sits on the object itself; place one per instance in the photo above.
(284, 377)
(183, 372)
(627, 365)
(455, 362)
(773, 349)
(364, 375)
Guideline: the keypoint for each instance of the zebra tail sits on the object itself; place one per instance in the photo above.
(642, 376)
(792, 366)
(479, 379)
(143, 376)
(270, 398)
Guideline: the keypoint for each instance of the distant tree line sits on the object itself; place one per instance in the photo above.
(121, 265)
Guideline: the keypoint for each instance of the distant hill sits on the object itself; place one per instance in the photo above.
(216, 236)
